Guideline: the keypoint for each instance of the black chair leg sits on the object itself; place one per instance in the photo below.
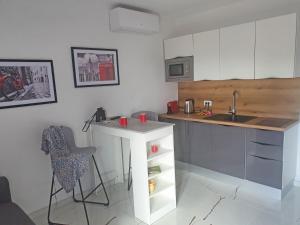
(50, 201)
(129, 182)
(89, 194)
(83, 202)
(95, 163)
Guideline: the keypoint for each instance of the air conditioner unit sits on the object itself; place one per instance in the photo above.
(127, 20)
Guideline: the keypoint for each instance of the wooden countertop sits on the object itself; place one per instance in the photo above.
(273, 124)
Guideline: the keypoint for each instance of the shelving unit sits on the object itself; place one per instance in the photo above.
(148, 207)
(163, 199)
(161, 153)
(158, 203)
(164, 169)
(161, 187)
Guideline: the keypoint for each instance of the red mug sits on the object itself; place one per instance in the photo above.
(143, 117)
(154, 148)
(123, 121)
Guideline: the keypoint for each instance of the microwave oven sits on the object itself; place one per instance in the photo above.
(180, 68)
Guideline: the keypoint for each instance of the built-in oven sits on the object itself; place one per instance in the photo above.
(180, 68)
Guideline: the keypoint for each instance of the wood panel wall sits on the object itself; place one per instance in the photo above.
(279, 98)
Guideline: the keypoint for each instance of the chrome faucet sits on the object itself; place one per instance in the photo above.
(232, 109)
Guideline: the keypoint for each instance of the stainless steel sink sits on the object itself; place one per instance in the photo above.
(231, 118)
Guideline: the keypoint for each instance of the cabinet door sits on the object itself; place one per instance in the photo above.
(181, 148)
(275, 47)
(207, 55)
(229, 150)
(200, 141)
(178, 47)
(237, 44)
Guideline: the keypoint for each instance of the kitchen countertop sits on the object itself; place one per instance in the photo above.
(266, 123)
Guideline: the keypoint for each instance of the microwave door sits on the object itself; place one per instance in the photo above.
(176, 70)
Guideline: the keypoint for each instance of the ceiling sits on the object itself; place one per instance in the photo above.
(173, 7)
(185, 7)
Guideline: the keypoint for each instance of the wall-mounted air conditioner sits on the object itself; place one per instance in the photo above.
(127, 20)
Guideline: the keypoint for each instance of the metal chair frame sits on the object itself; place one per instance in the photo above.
(83, 198)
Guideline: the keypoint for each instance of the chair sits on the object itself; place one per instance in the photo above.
(150, 116)
(11, 213)
(79, 154)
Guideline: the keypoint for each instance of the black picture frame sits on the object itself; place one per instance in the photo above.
(26, 82)
(94, 67)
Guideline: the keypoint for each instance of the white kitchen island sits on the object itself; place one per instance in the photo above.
(147, 207)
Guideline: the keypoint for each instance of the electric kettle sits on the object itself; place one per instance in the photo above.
(189, 106)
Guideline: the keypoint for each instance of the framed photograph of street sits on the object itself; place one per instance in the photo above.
(26, 82)
(95, 67)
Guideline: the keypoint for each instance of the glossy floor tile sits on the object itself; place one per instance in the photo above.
(199, 202)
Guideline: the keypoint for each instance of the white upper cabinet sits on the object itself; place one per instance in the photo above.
(207, 55)
(237, 44)
(178, 47)
(275, 47)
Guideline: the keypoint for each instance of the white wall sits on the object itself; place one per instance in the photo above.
(237, 13)
(42, 29)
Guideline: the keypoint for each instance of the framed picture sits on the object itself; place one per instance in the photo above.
(26, 82)
(95, 67)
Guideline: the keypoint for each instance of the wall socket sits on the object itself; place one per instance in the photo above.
(209, 102)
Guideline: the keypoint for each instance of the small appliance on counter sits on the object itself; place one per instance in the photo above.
(189, 106)
(172, 107)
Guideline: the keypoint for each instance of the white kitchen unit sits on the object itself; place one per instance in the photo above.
(148, 207)
(207, 55)
(275, 47)
(237, 44)
(179, 47)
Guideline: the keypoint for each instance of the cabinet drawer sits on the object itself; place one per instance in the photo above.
(265, 137)
(264, 171)
(264, 150)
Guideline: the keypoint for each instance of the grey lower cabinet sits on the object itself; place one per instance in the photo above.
(218, 148)
(200, 143)
(181, 145)
(264, 161)
(253, 154)
(229, 150)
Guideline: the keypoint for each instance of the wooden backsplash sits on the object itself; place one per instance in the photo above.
(266, 97)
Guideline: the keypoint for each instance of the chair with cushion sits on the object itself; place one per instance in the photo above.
(69, 164)
(11, 213)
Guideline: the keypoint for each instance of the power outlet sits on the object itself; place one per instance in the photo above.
(209, 102)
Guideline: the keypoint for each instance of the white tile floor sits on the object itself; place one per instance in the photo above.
(199, 202)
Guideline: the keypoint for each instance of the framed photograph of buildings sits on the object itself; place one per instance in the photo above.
(95, 67)
(26, 82)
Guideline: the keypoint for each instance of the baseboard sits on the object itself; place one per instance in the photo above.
(297, 181)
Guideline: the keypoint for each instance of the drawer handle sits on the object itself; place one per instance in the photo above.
(264, 158)
(265, 144)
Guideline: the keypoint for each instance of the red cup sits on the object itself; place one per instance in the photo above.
(154, 148)
(143, 117)
(123, 121)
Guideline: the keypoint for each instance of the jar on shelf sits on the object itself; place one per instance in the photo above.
(152, 185)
